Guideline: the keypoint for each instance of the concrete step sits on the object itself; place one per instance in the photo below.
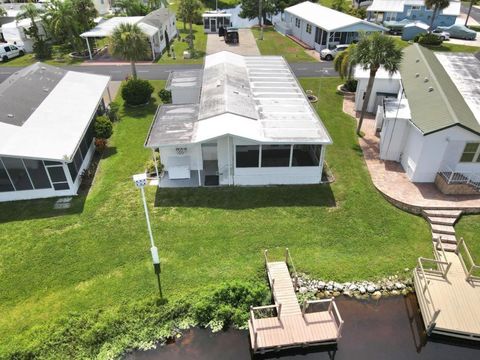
(441, 220)
(443, 213)
(442, 229)
(447, 247)
(446, 238)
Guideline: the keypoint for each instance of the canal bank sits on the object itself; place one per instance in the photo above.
(390, 328)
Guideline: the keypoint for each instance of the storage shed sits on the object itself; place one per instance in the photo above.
(413, 29)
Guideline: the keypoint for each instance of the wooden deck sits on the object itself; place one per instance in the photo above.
(450, 299)
(292, 326)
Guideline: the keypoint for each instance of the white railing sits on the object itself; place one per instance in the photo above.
(289, 262)
(471, 269)
(259, 309)
(332, 310)
(464, 177)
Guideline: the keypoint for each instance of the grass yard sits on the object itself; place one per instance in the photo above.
(469, 228)
(91, 262)
(274, 43)
(200, 45)
(29, 59)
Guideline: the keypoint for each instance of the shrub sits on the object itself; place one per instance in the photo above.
(42, 49)
(428, 39)
(150, 165)
(165, 96)
(112, 111)
(350, 85)
(103, 127)
(137, 92)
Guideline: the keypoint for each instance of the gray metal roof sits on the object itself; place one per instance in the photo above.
(184, 79)
(38, 80)
(173, 124)
(435, 100)
(225, 88)
(157, 17)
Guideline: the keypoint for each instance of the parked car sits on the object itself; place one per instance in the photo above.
(329, 54)
(10, 51)
(459, 31)
(396, 27)
(441, 34)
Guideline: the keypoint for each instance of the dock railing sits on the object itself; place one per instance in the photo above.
(433, 312)
(332, 310)
(442, 264)
(259, 309)
(471, 269)
(289, 262)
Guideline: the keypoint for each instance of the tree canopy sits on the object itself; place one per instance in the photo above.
(437, 6)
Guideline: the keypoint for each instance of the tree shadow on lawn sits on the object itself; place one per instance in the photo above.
(249, 197)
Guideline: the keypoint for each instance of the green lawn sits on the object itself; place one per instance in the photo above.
(95, 256)
(274, 43)
(179, 46)
(469, 228)
(29, 59)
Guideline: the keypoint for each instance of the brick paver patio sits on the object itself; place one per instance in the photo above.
(391, 180)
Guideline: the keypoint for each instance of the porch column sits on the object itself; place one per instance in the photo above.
(156, 165)
(153, 48)
(328, 39)
(89, 50)
(198, 164)
(322, 159)
(229, 162)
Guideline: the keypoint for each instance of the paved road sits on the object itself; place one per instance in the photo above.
(474, 14)
(160, 72)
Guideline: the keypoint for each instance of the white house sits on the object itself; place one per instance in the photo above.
(14, 32)
(431, 125)
(321, 27)
(46, 138)
(251, 124)
(159, 26)
(215, 19)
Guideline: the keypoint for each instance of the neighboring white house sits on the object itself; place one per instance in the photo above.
(321, 27)
(431, 126)
(46, 130)
(251, 124)
(14, 33)
(159, 26)
(215, 19)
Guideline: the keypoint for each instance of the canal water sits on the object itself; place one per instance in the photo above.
(390, 329)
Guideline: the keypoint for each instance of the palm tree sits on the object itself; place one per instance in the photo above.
(472, 2)
(372, 52)
(437, 6)
(344, 62)
(31, 12)
(130, 43)
(189, 10)
(61, 22)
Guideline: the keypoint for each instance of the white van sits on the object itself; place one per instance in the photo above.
(10, 51)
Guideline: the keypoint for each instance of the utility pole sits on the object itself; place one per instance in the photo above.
(260, 18)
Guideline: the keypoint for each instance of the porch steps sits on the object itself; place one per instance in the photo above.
(300, 42)
(443, 229)
(442, 220)
(442, 213)
(447, 247)
(446, 238)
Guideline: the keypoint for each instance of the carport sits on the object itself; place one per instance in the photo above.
(106, 29)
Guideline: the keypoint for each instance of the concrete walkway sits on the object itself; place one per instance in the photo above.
(248, 45)
(390, 179)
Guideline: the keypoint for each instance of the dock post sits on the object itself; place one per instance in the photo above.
(286, 256)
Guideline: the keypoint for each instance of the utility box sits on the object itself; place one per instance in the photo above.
(185, 86)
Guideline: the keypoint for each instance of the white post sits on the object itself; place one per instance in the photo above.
(109, 94)
(89, 50)
(147, 217)
(328, 39)
(153, 48)
(198, 167)
(229, 163)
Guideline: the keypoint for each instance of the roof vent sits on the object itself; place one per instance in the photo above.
(417, 60)
(10, 115)
(219, 83)
(430, 89)
(425, 80)
(417, 75)
(45, 89)
(236, 92)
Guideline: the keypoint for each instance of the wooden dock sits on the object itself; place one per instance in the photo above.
(448, 293)
(285, 324)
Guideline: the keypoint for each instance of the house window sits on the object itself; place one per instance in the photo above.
(276, 155)
(57, 175)
(306, 155)
(247, 156)
(309, 29)
(5, 183)
(471, 153)
(18, 173)
(335, 37)
(297, 22)
(38, 174)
